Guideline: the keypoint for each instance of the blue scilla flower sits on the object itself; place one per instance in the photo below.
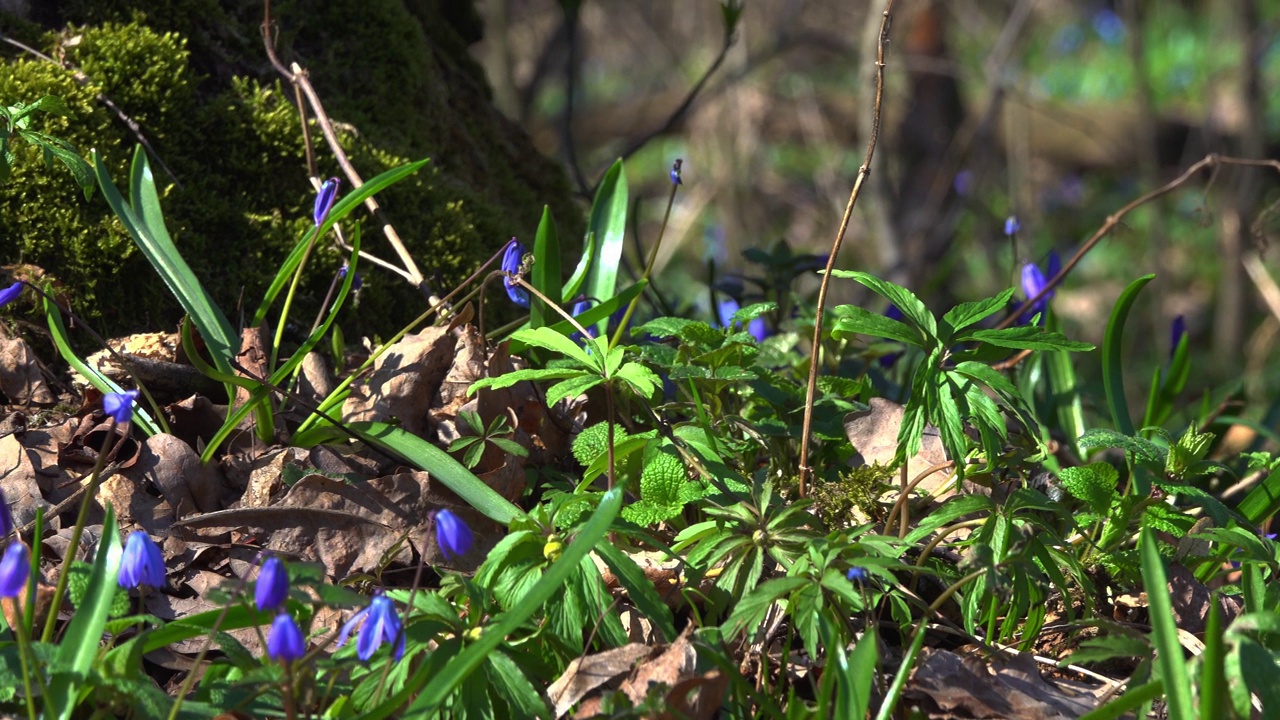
(452, 534)
(324, 199)
(512, 261)
(272, 586)
(725, 310)
(857, 574)
(15, 568)
(285, 642)
(675, 172)
(1109, 27)
(1034, 281)
(142, 563)
(381, 624)
(1011, 225)
(120, 405)
(11, 293)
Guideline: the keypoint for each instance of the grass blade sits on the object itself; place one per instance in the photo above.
(608, 223)
(546, 271)
(78, 649)
(1112, 356)
(1164, 631)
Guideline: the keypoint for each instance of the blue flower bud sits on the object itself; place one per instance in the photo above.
(357, 282)
(11, 293)
(15, 568)
(120, 405)
(512, 261)
(381, 624)
(1011, 225)
(271, 588)
(857, 574)
(324, 199)
(452, 534)
(1176, 331)
(285, 642)
(675, 172)
(142, 563)
(1033, 281)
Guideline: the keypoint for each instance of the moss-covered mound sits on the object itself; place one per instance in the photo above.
(396, 79)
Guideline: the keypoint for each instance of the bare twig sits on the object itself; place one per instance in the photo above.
(805, 470)
(298, 77)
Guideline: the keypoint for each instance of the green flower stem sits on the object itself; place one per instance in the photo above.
(24, 647)
(189, 680)
(85, 502)
(905, 494)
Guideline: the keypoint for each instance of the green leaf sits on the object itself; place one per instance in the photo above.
(1141, 448)
(966, 314)
(643, 381)
(608, 223)
(78, 650)
(145, 224)
(1096, 484)
(510, 682)
(1025, 337)
(572, 387)
(549, 339)
(1113, 354)
(545, 275)
(750, 610)
(909, 304)
(1263, 500)
(853, 319)
(434, 688)
(425, 456)
(531, 374)
(639, 588)
(664, 327)
(1164, 631)
(580, 272)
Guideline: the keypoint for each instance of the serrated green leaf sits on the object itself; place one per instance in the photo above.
(639, 588)
(855, 320)
(966, 314)
(571, 388)
(643, 381)
(665, 327)
(531, 374)
(1096, 484)
(1025, 337)
(909, 304)
(1141, 448)
(549, 339)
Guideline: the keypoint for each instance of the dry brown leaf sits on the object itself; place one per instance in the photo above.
(874, 434)
(20, 378)
(1009, 688)
(585, 674)
(404, 382)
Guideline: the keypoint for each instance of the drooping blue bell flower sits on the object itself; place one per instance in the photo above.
(357, 282)
(15, 568)
(857, 574)
(285, 642)
(11, 293)
(512, 260)
(325, 198)
(378, 623)
(142, 563)
(271, 588)
(452, 534)
(120, 405)
(1033, 282)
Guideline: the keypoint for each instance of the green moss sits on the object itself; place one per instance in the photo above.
(193, 75)
(858, 487)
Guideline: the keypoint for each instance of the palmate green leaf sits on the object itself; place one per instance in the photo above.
(52, 147)
(966, 314)
(750, 610)
(664, 327)
(571, 387)
(509, 682)
(549, 339)
(1095, 484)
(1108, 647)
(855, 320)
(909, 304)
(643, 381)
(1025, 337)
(945, 413)
(1141, 448)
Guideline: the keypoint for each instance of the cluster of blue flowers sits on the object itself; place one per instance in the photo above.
(378, 623)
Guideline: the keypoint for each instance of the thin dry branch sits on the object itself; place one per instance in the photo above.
(865, 170)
